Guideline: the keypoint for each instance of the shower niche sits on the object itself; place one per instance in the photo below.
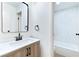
(14, 17)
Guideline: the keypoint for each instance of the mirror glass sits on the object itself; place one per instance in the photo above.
(14, 17)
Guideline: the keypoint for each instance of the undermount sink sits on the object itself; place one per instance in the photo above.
(17, 43)
(20, 42)
(14, 43)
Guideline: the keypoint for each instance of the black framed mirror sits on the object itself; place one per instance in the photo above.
(14, 17)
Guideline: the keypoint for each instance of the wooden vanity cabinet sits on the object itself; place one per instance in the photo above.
(32, 50)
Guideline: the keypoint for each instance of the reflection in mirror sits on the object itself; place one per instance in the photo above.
(15, 17)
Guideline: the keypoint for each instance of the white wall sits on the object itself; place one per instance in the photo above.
(66, 23)
(7, 36)
(41, 14)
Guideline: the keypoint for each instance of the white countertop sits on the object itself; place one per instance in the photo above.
(14, 45)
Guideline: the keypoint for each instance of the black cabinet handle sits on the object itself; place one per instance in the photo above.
(29, 50)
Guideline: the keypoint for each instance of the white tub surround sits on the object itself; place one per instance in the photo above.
(66, 49)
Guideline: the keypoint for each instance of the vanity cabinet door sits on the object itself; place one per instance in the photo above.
(33, 50)
(29, 51)
(16, 53)
(36, 47)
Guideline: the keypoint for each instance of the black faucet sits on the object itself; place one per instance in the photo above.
(19, 37)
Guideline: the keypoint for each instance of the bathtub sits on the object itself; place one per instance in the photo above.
(66, 49)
